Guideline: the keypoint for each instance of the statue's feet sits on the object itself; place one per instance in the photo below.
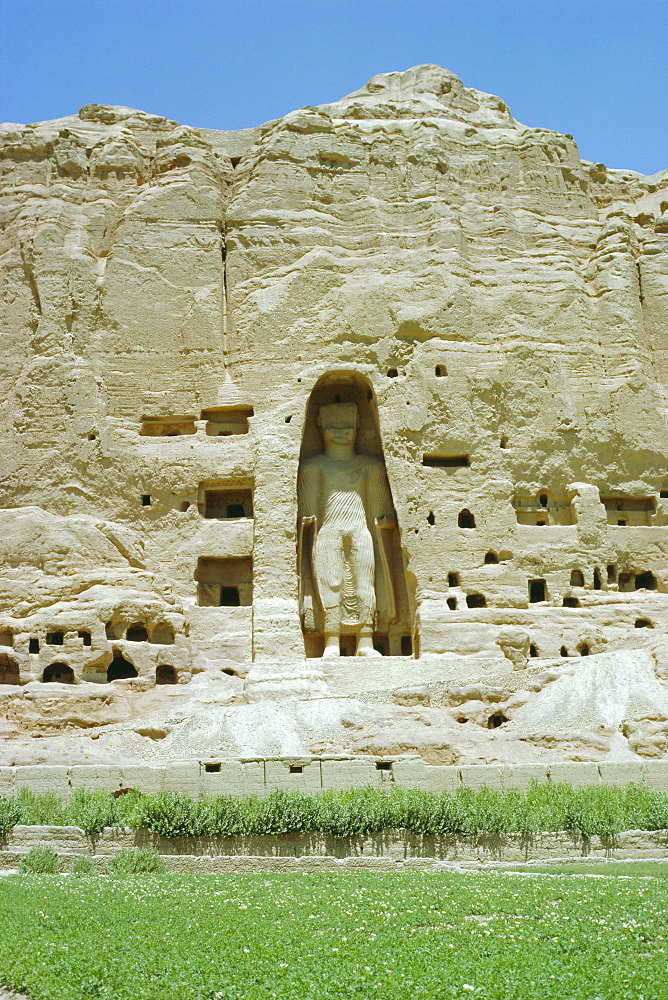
(365, 648)
(332, 647)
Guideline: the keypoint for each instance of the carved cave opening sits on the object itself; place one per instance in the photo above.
(167, 426)
(224, 583)
(137, 633)
(629, 511)
(543, 509)
(229, 504)
(476, 601)
(165, 674)
(120, 669)
(9, 670)
(225, 421)
(465, 519)
(353, 579)
(58, 673)
(162, 634)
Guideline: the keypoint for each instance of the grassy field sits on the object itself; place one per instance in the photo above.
(317, 937)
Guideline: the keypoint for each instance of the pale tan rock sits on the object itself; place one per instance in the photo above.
(179, 304)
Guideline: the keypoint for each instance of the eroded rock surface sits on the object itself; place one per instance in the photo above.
(179, 305)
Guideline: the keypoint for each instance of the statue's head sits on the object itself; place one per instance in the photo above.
(338, 423)
(338, 415)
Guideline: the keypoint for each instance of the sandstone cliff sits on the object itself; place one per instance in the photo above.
(172, 299)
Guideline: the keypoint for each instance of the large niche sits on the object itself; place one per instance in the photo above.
(353, 593)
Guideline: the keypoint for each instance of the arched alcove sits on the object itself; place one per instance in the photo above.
(9, 670)
(165, 674)
(120, 668)
(137, 633)
(369, 481)
(162, 634)
(58, 673)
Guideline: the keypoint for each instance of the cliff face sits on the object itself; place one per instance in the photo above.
(171, 299)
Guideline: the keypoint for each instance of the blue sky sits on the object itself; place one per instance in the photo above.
(595, 68)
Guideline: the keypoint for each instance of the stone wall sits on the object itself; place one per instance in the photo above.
(262, 776)
(387, 851)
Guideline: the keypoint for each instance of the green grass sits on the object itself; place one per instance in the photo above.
(343, 936)
(590, 811)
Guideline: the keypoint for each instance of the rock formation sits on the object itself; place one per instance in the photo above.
(179, 305)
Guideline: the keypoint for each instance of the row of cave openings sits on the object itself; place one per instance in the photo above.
(538, 587)
(217, 503)
(161, 634)
(120, 668)
(583, 648)
(219, 421)
(544, 510)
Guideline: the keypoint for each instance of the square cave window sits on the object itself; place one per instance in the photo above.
(167, 426)
(536, 591)
(228, 505)
(224, 583)
(629, 511)
(225, 421)
(436, 460)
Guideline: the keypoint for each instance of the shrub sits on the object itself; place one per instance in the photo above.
(140, 862)
(358, 812)
(83, 865)
(223, 816)
(645, 808)
(40, 810)
(92, 810)
(283, 812)
(9, 814)
(40, 861)
(172, 815)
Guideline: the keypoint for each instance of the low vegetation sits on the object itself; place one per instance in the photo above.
(41, 860)
(596, 810)
(340, 936)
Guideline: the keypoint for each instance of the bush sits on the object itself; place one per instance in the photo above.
(9, 815)
(172, 815)
(92, 810)
(283, 812)
(645, 808)
(355, 813)
(40, 810)
(40, 861)
(140, 862)
(83, 865)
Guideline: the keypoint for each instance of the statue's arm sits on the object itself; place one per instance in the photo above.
(307, 492)
(380, 498)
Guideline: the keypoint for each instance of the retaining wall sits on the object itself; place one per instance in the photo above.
(261, 776)
(321, 852)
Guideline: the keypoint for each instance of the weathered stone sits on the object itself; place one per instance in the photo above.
(182, 306)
